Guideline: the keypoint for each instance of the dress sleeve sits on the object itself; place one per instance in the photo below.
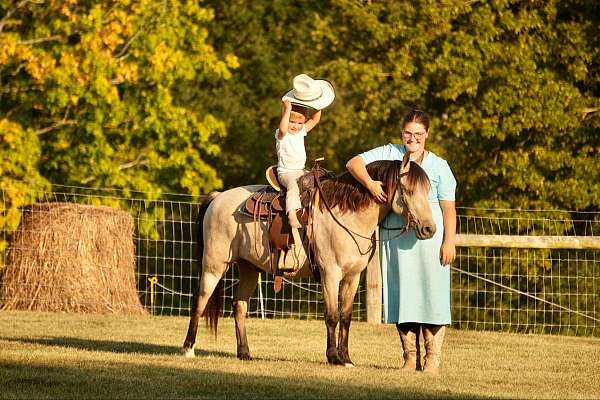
(447, 185)
(378, 153)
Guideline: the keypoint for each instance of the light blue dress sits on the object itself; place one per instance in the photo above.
(416, 287)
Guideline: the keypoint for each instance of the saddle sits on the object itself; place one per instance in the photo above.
(269, 205)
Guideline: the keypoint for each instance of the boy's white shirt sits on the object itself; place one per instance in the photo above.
(291, 153)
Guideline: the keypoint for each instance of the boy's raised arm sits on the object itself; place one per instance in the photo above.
(285, 118)
(313, 121)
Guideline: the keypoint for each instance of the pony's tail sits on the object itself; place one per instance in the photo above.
(214, 306)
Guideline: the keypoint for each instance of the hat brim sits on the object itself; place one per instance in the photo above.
(326, 98)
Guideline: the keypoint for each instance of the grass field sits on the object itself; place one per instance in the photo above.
(45, 355)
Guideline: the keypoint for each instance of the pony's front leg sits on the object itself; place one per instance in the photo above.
(331, 285)
(245, 288)
(348, 291)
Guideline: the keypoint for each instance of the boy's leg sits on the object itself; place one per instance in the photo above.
(292, 198)
(296, 256)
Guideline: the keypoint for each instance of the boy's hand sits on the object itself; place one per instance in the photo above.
(287, 105)
(314, 120)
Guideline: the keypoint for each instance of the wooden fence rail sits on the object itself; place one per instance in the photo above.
(373, 279)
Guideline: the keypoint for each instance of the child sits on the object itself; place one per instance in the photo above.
(295, 123)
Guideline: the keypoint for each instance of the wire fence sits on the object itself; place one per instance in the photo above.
(527, 289)
(508, 289)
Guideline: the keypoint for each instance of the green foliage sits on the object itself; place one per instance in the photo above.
(179, 97)
(19, 177)
(139, 95)
(512, 87)
(94, 93)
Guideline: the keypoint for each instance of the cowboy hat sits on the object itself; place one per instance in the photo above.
(309, 92)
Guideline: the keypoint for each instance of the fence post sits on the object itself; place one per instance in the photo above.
(374, 287)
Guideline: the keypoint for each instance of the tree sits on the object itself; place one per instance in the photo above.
(96, 94)
(512, 87)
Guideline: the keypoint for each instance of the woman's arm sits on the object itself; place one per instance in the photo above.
(448, 250)
(285, 119)
(356, 166)
(313, 121)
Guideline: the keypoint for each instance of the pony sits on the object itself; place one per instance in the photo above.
(342, 243)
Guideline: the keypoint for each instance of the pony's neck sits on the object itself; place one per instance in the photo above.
(383, 210)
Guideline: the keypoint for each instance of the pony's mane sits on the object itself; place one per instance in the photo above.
(345, 192)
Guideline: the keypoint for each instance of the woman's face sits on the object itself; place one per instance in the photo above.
(414, 136)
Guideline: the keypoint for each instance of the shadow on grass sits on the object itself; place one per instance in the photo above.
(123, 380)
(113, 346)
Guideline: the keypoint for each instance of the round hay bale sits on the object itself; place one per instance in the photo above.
(73, 258)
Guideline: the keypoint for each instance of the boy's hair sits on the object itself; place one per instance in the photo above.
(305, 111)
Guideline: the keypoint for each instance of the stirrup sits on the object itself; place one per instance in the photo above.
(278, 283)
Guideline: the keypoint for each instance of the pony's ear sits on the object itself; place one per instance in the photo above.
(405, 163)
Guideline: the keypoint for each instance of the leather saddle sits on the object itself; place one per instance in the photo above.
(268, 205)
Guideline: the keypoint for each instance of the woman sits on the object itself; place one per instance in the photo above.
(416, 277)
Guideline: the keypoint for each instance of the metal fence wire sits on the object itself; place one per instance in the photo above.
(507, 289)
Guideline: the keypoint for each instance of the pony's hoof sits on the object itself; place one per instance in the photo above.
(244, 357)
(349, 364)
(335, 361)
(188, 353)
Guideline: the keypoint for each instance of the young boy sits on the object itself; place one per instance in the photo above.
(295, 123)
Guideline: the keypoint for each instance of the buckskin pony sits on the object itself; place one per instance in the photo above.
(342, 243)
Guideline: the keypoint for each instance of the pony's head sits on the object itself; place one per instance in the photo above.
(410, 198)
(406, 185)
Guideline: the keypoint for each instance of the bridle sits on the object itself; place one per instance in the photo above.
(411, 220)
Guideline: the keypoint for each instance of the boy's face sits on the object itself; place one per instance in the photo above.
(296, 122)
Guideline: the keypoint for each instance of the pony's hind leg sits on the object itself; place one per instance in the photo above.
(190, 339)
(348, 291)
(245, 288)
(208, 283)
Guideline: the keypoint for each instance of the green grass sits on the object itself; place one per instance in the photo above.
(45, 355)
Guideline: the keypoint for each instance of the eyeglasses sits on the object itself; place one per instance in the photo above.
(416, 135)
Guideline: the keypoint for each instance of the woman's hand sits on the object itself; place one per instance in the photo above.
(447, 253)
(448, 249)
(356, 166)
(376, 189)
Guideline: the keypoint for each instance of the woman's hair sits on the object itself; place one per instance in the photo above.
(417, 116)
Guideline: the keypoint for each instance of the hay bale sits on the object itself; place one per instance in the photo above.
(74, 258)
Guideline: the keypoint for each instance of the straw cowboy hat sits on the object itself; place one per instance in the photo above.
(309, 92)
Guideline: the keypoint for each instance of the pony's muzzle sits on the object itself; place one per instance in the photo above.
(425, 231)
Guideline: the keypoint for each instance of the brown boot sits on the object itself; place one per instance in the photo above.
(409, 338)
(434, 338)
